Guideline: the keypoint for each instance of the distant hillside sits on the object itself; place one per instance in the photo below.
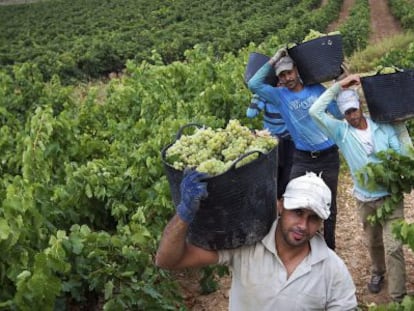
(83, 40)
(10, 2)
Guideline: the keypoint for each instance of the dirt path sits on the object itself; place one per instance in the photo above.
(383, 24)
(343, 15)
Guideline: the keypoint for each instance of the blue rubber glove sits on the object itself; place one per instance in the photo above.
(192, 191)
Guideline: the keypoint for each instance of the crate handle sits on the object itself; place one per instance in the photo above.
(181, 129)
(233, 166)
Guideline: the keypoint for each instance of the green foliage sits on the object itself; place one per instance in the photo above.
(83, 194)
(368, 59)
(394, 173)
(64, 38)
(404, 11)
(399, 58)
(309, 17)
(355, 31)
(85, 199)
(405, 232)
(406, 305)
(70, 42)
(208, 281)
(39, 289)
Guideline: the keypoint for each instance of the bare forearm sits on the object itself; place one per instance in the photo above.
(173, 244)
(175, 253)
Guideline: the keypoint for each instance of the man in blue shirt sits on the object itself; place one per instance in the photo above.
(315, 152)
(274, 123)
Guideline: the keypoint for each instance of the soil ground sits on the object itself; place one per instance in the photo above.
(383, 23)
(350, 245)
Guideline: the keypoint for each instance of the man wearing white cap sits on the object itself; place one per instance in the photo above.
(359, 139)
(314, 150)
(291, 268)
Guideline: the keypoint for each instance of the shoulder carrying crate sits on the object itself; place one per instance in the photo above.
(241, 203)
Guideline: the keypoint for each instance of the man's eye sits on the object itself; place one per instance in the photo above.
(350, 111)
(315, 218)
(299, 212)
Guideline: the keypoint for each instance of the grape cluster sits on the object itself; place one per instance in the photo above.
(379, 70)
(214, 151)
(314, 34)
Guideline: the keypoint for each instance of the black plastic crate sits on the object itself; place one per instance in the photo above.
(319, 60)
(390, 97)
(241, 203)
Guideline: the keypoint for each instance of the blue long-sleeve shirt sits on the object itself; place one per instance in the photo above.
(294, 108)
(272, 119)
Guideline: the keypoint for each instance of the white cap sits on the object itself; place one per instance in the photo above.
(346, 100)
(310, 192)
(285, 63)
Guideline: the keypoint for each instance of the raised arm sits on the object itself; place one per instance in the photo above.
(174, 252)
(257, 83)
(318, 111)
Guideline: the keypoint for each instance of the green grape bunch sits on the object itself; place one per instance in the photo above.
(380, 70)
(388, 70)
(214, 151)
(314, 34)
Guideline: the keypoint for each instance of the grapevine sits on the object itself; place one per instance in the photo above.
(395, 173)
(214, 151)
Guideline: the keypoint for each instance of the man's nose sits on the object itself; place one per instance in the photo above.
(303, 222)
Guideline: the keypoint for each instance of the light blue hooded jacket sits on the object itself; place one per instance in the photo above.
(384, 137)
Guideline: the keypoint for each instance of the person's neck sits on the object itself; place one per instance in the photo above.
(363, 125)
(290, 256)
(299, 87)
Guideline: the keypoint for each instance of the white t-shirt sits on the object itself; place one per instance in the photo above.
(259, 279)
(365, 138)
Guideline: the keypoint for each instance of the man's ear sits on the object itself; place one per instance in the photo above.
(279, 206)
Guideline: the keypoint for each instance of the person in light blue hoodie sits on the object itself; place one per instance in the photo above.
(359, 138)
(314, 150)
